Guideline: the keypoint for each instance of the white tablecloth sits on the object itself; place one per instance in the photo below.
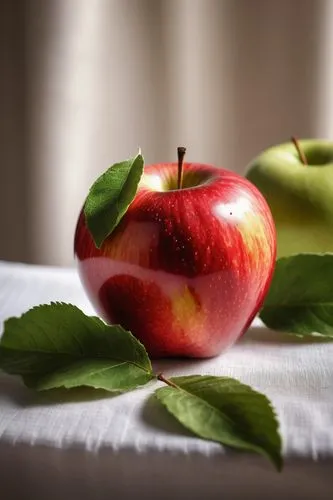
(88, 445)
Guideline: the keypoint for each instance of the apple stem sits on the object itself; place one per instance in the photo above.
(180, 153)
(161, 377)
(299, 151)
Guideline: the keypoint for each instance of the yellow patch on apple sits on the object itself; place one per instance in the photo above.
(254, 235)
(186, 308)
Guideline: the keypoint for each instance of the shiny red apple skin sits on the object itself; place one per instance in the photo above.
(185, 270)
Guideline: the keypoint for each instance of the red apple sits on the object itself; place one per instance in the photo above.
(186, 270)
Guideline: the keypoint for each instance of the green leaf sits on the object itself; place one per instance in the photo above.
(224, 410)
(110, 196)
(300, 299)
(57, 345)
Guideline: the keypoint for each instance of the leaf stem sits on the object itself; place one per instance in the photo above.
(180, 153)
(299, 151)
(161, 377)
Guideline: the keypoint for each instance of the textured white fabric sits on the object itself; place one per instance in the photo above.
(87, 444)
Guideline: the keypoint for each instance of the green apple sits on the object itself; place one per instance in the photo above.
(299, 194)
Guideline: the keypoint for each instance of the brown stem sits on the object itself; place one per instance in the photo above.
(299, 151)
(181, 153)
(161, 377)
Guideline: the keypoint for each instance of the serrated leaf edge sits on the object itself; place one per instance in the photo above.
(98, 241)
(72, 306)
(278, 463)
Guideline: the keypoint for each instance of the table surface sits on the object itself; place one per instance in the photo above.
(297, 375)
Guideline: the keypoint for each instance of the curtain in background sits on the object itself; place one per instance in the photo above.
(84, 83)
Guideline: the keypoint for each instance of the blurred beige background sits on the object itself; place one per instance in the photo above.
(85, 82)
